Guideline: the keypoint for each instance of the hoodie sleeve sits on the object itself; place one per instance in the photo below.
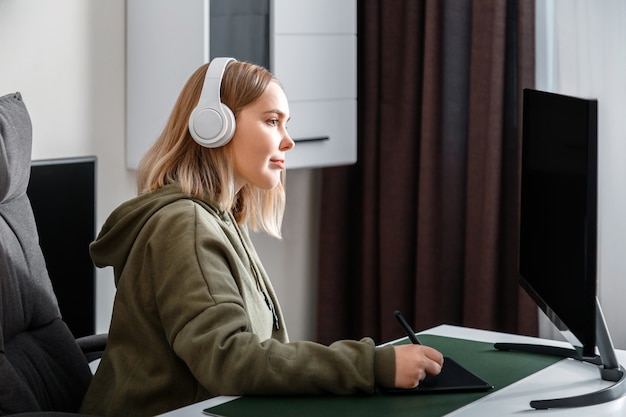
(197, 272)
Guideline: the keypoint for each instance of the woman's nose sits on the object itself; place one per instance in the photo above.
(287, 143)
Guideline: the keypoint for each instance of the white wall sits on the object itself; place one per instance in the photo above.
(67, 58)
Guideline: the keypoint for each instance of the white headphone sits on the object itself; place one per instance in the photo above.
(212, 123)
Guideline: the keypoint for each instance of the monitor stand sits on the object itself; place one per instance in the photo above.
(610, 369)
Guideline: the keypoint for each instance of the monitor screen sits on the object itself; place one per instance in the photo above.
(558, 211)
(62, 193)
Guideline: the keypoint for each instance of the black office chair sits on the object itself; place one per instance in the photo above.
(43, 368)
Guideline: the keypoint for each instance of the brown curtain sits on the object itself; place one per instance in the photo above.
(427, 220)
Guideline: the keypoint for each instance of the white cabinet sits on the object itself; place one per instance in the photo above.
(312, 47)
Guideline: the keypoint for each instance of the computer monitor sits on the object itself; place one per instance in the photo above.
(62, 193)
(558, 216)
(558, 231)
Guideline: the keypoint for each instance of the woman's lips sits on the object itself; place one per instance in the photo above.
(280, 163)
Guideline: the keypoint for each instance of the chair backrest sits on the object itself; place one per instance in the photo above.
(41, 365)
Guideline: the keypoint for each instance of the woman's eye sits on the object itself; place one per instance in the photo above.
(273, 122)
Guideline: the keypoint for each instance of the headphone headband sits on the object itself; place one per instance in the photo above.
(212, 123)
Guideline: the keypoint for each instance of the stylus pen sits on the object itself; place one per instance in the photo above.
(407, 329)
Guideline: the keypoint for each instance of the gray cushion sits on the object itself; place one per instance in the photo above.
(45, 370)
(41, 366)
(15, 147)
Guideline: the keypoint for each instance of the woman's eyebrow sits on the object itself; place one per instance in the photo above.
(278, 112)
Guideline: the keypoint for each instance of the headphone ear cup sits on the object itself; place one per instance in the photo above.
(228, 126)
(212, 123)
(212, 127)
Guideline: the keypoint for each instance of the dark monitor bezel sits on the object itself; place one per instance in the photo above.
(62, 193)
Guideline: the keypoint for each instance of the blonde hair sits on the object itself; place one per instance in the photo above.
(207, 173)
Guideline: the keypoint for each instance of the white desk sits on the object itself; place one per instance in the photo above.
(565, 378)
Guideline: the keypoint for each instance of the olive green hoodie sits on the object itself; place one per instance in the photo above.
(196, 316)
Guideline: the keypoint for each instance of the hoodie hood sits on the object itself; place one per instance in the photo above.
(119, 232)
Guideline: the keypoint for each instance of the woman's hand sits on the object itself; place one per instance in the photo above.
(414, 362)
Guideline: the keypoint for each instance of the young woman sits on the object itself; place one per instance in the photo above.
(195, 314)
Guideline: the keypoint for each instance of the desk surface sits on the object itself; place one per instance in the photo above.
(565, 378)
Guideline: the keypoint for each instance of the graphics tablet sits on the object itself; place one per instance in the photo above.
(452, 378)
